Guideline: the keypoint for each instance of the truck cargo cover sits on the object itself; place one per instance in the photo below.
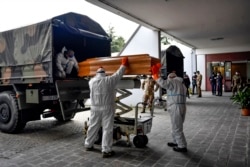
(33, 44)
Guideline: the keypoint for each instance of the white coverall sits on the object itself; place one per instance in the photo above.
(102, 97)
(176, 106)
(65, 65)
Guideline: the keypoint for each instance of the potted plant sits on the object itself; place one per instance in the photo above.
(243, 99)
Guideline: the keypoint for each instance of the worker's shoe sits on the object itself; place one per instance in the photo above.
(89, 148)
(170, 144)
(178, 149)
(108, 154)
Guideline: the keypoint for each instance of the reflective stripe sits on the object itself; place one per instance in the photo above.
(176, 95)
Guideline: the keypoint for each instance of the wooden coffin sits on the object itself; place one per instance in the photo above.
(138, 65)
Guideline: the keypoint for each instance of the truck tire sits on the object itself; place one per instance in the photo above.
(10, 116)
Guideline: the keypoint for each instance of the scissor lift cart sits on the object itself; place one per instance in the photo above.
(137, 126)
(124, 126)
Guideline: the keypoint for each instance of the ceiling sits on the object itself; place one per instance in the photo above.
(200, 24)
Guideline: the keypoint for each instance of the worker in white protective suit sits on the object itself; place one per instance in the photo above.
(102, 97)
(176, 106)
(65, 63)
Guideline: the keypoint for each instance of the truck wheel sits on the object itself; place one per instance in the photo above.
(10, 117)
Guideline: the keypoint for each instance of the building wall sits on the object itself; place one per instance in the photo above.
(239, 63)
(144, 41)
(188, 61)
(201, 67)
(228, 56)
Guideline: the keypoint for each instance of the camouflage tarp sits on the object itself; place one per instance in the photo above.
(27, 45)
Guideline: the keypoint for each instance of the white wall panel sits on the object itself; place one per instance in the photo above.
(201, 66)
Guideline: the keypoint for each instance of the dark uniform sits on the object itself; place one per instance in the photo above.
(212, 79)
(186, 81)
(219, 81)
(194, 83)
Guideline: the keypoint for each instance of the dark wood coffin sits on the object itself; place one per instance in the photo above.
(138, 65)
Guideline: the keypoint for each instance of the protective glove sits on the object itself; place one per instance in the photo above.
(63, 74)
(155, 71)
(125, 61)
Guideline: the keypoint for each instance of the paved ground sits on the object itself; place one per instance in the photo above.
(217, 136)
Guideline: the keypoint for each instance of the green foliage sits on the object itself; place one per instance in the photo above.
(164, 40)
(117, 42)
(242, 98)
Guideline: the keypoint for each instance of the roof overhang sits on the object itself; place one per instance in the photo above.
(198, 24)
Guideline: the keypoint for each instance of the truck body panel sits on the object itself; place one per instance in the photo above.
(28, 85)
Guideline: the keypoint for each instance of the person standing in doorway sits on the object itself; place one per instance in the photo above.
(194, 83)
(199, 81)
(212, 79)
(219, 80)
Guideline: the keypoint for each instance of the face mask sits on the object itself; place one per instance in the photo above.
(71, 56)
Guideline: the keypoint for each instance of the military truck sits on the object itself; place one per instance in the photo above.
(29, 88)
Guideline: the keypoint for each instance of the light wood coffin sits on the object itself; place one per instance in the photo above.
(137, 65)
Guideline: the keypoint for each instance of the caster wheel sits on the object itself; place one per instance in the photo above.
(145, 138)
(139, 141)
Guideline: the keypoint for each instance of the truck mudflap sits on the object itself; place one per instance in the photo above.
(73, 92)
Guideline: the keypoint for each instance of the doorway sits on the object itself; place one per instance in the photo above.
(240, 67)
(218, 67)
